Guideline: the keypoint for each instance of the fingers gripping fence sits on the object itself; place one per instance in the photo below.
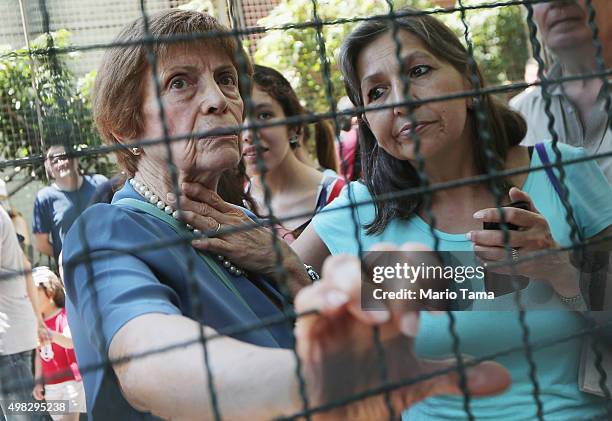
(494, 177)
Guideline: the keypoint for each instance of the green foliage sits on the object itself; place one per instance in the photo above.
(85, 86)
(498, 35)
(499, 39)
(39, 96)
(295, 52)
(204, 6)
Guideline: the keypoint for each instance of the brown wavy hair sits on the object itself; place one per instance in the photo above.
(118, 90)
(383, 173)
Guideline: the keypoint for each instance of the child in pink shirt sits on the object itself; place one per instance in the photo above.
(57, 374)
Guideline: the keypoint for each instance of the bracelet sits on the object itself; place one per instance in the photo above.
(574, 303)
(314, 276)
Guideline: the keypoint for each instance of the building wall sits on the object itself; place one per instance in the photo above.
(252, 11)
(89, 21)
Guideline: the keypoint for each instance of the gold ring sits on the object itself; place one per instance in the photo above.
(218, 227)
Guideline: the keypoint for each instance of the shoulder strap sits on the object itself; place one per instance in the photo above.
(58, 321)
(357, 161)
(335, 191)
(180, 229)
(541, 149)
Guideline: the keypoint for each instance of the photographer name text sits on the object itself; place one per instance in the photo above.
(430, 294)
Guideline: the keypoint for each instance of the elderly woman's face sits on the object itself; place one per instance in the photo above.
(439, 125)
(199, 91)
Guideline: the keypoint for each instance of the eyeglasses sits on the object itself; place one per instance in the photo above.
(57, 158)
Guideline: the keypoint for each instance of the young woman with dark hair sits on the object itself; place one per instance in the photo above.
(274, 84)
(297, 190)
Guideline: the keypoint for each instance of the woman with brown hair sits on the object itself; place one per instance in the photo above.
(432, 63)
(297, 191)
(416, 56)
(272, 83)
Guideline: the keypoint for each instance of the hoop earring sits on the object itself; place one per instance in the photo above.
(136, 151)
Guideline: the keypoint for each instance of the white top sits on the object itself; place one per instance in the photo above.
(15, 306)
(594, 135)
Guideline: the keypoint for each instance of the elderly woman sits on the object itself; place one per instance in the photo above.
(139, 296)
(435, 64)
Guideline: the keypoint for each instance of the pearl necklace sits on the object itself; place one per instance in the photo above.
(155, 200)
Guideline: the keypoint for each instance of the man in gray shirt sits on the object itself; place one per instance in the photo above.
(18, 326)
(578, 106)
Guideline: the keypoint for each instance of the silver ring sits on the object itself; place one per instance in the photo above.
(515, 255)
(218, 227)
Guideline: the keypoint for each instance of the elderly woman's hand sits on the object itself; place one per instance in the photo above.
(250, 249)
(533, 235)
(340, 359)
